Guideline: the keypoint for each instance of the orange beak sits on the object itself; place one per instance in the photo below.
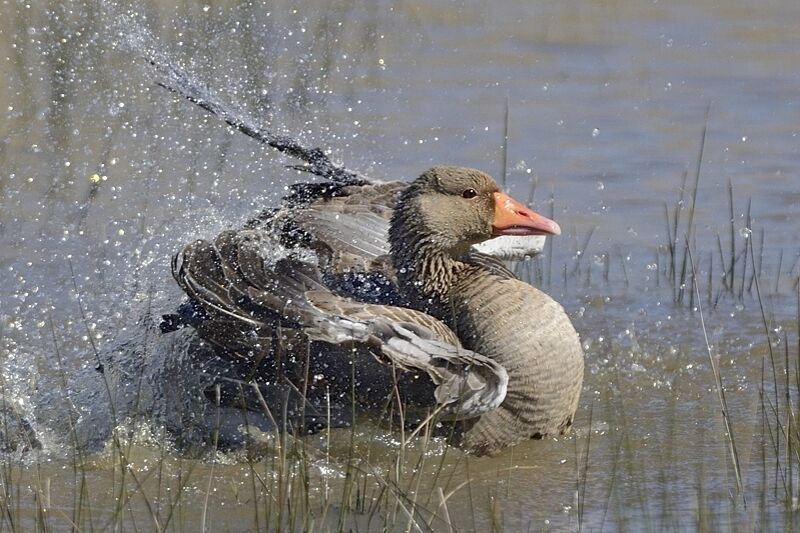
(513, 218)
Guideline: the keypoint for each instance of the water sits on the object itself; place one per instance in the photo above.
(105, 174)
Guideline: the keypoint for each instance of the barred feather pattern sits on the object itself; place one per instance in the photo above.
(530, 335)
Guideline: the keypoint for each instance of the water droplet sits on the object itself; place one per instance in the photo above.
(595, 132)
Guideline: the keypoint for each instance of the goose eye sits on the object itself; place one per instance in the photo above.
(469, 193)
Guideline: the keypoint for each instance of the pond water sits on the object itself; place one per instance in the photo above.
(611, 105)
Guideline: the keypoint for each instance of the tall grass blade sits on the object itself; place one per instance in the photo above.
(720, 392)
(690, 223)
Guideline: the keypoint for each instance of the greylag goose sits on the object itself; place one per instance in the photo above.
(369, 291)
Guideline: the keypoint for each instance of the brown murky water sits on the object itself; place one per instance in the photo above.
(105, 174)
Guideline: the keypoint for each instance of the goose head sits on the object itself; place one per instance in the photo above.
(448, 209)
(451, 208)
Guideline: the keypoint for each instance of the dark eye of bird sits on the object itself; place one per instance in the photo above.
(469, 193)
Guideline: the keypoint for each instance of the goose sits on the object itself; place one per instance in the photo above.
(371, 292)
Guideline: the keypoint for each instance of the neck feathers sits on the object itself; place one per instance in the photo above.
(424, 265)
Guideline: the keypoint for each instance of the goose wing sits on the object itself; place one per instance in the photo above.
(246, 297)
(347, 226)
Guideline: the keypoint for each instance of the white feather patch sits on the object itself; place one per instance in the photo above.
(512, 247)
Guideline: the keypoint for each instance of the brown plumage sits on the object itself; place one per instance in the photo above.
(383, 277)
